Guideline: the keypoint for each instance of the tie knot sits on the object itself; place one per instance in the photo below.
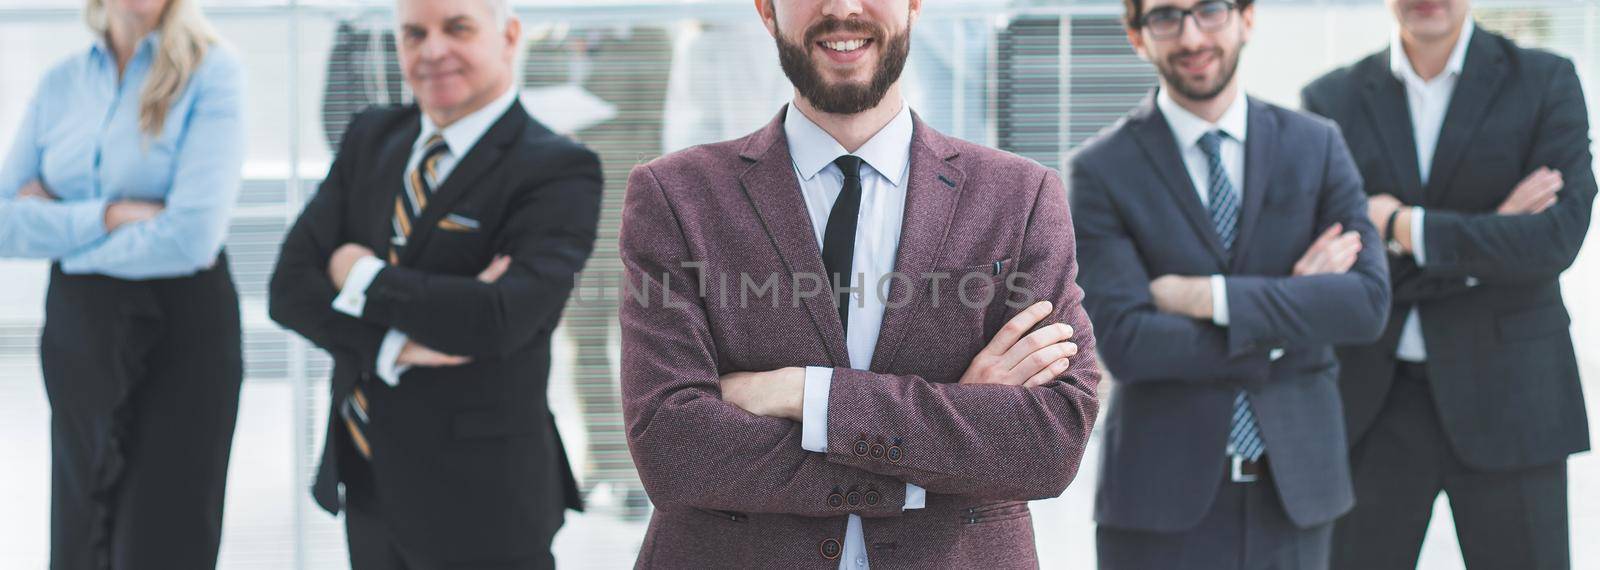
(850, 165)
(434, 145)
(1211, 142)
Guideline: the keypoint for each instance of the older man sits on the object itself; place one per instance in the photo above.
(433, 265)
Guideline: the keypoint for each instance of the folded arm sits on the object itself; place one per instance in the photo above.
(34, 227)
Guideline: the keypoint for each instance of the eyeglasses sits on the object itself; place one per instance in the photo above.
(1166, 22)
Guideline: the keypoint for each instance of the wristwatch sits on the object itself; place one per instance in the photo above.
(1389, 241)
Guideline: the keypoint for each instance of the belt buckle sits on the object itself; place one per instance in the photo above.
(1239, 476)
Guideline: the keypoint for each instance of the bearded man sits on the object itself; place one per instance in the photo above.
(1226, 250)
(847, 339)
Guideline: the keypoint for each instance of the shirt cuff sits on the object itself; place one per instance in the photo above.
(1219, 300)
(814, 413)
(352, 299)
(1417, 250)
(916, 497)
(389, 367)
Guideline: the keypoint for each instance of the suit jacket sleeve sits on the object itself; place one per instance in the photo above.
(1139, 343)
(1005, 442)
(693, 449)
(1344, 308)
(1527, 247)
(300, 294)
(549, 232)
(1408, 282)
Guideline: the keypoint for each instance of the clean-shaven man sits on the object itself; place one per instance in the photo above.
(904, 423)
(433, 264)
(1476, 157)
(1225, 250)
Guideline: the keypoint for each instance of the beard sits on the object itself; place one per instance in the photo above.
(849, 97)
(1198, 91)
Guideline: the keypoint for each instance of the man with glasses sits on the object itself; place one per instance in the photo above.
(1225, 248)
(1476, 155)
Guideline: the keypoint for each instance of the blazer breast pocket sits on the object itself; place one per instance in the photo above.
(458, 223)
(959, 310)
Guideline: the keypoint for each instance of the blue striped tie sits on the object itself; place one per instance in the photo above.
(1244, 439)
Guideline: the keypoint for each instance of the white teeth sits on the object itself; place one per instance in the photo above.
(845, 46)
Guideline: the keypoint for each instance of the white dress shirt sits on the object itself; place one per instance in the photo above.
(459, 138)
(1428, 101)
(1187, 128)
(886, 162)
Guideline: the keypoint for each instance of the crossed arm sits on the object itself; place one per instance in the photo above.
(1014, 429)
(1163, 328)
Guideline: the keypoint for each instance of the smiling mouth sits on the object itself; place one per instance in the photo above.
(845, 46)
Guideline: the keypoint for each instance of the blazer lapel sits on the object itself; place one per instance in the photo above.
(772, 188)
(1154, 135)
(1261, 139)
(1480, 81)
(933, 188)
(1385, 98)
(464, 177)
(394, 154)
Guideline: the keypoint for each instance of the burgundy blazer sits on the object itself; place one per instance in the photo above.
(734, 490)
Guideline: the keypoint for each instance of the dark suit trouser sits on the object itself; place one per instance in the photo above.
(1513, 519)
(1246, 529)
(374, 547)
(143, 379)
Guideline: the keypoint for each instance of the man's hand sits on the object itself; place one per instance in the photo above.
(1333, 252)
(342, 260)
(129, 211)
(495, 269)
(1183, 295)
(1016, 357)
(776, 394)
(36, 190)
(413, 354)
(1534, 194)
(1379, 207)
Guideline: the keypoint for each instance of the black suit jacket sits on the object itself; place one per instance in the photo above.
(1500, 357)
(469, 458)
(1138, 217)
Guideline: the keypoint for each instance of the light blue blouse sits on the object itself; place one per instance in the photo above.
(81, 138)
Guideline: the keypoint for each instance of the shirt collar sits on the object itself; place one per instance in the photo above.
(1400, 65)
(461, 135)
(103, 48)
(1188, 127)
(813, 149)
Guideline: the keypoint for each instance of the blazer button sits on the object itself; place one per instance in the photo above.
(872, 498)
(836, 500)
(877, 451)
(895, 453)
(861, 447)
(854, 498)
(830, 549)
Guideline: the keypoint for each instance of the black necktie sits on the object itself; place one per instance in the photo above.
(839, 240)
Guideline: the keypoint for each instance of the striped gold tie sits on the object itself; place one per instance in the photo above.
(408, 207)
(419, 185)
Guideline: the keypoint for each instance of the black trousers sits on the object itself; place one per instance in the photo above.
(374, 547)
(143, 379)
(1246, 529)
(1514, 519)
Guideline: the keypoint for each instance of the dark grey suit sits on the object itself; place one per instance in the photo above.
(1138, 218)
(1500, 393)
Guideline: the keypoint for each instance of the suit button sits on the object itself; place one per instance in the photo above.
(854, 498)
(877, 451)
(895, 453)
(835, 500)
(830, 549)
(872, 498)
(861, 447)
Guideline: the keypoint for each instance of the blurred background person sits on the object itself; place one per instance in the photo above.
(123, 173)
(1475, 153)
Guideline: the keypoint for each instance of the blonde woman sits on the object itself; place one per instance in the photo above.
(123, 173)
